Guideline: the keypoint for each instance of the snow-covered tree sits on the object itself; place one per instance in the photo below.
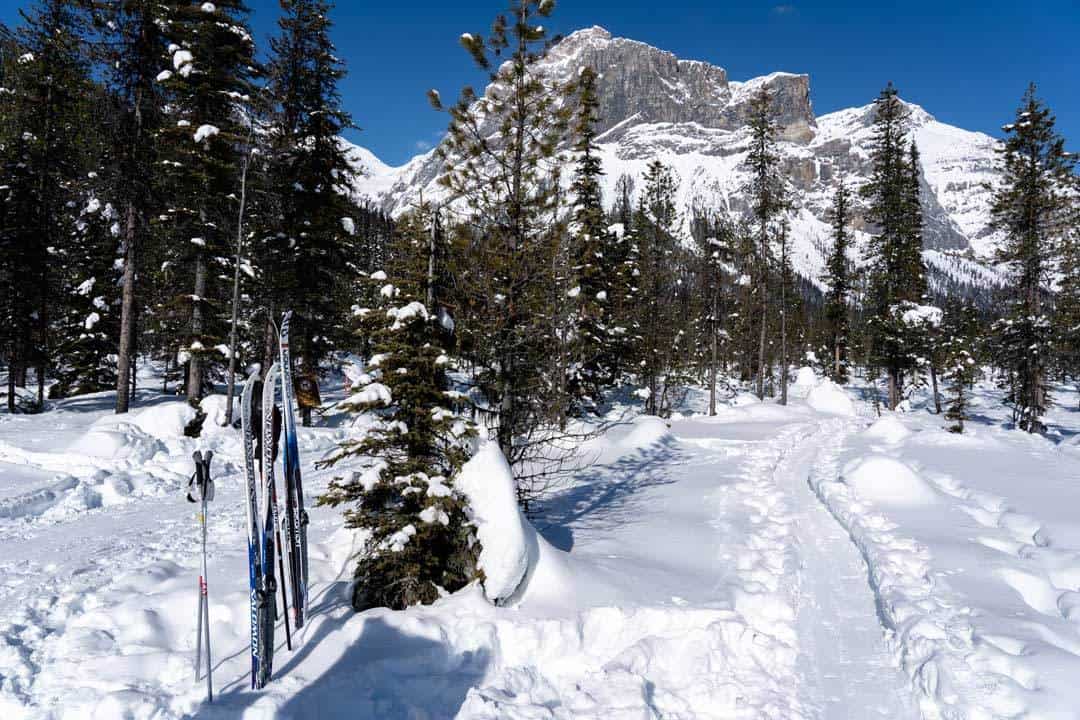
(209, 82)
(837, 277)
(308, 261)
(420, 538)
(768, 201)
(1032, 208)
(894, 254)
(502, 165)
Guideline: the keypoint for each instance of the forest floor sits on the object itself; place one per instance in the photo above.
(809, 561)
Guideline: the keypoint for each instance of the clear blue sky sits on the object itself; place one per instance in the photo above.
(966, 62)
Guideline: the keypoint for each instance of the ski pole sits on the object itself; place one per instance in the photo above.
(205, 490)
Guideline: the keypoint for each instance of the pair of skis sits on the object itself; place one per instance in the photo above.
(264, 522)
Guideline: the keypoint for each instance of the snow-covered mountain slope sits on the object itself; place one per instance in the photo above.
(689, 115)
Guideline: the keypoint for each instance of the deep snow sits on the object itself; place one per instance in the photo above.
(803, 562)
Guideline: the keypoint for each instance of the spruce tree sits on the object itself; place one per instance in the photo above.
(44, 167)
(838, 296)
(133, 44)
(655, 234)
(959, 339)
(209, 83)
(897, 274)
(1067, 302)
(421, 540)
(596, 257)
(309, 258)
(768, 200)
(1031, 207)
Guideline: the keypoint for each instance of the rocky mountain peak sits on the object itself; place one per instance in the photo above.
(639, 81)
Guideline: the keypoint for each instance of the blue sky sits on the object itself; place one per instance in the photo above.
(966, 62)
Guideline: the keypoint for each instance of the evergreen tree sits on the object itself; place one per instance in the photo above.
(420, 538)
(716, 239)
(1067, 310)
(310, 257)
(768, 200)
(43, 167)
(133, 46)
(1031, 207)
(959, 337)
(897, 274)
(655, 233)
(209, 88)
(838, 297)
(596, 258)
(503, 168)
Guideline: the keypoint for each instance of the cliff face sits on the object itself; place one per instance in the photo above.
(689, 115)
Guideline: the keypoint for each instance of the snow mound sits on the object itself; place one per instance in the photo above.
(883, 480)
(806, 377)
(214, 406)
(888, 429)
(165, 421)
(505, 535)
(829, 398)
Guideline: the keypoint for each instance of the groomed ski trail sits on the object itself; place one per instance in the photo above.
(847, 666)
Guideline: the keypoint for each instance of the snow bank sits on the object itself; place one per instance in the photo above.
(505, 535)
(882, 480)
(165, 421)
(829, 398)
(888, 429)
(806, 377)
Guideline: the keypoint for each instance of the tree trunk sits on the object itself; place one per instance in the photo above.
(712, 358)
(836, 360)
(934, 387)
(11, 384)
(894, 389)
(195, 365)
(127, 315)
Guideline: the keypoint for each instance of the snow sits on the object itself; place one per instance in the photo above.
(687, 570)
(506, 538)
(372, 394)
(806, 377)
(205, 132)
(829, 398)
(882, 480)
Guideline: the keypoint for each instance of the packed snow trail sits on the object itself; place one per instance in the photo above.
(850, 671)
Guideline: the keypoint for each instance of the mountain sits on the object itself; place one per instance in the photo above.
(689, 115)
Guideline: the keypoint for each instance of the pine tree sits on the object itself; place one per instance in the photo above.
(959, 338)
(421, 540)
(788, 303)
(133, 42)
(209, 86)
(897, 274)
(310, 257)
(503, 168)
(596, 257)
(655, 233)
(1031, 208)
(1067, 310)
(838, 297)
(768, 199)
(43, 163)
(716, 238)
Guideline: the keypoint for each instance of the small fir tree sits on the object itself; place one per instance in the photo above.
(420, 539)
